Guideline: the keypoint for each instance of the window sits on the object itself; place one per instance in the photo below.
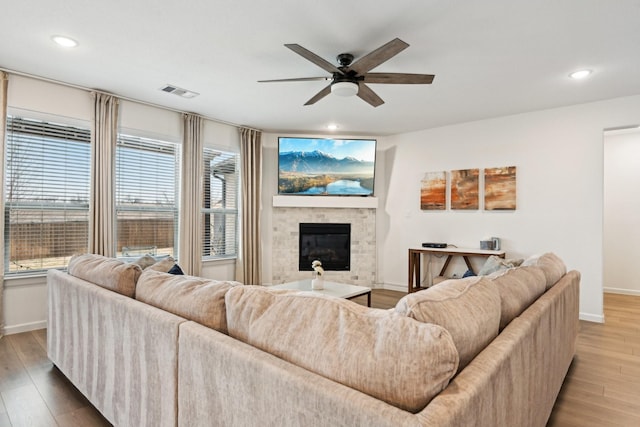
(47, 180)
(220, 204)
(147, 191)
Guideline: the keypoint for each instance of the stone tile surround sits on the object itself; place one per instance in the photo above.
(286, 221)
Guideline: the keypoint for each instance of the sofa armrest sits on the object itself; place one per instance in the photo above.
(516, 379)
(120, 353)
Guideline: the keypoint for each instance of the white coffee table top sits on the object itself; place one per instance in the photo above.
(340, 290)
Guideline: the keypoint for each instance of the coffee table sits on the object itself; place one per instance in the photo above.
(340, 290)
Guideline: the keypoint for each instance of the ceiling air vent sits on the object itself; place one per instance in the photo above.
(179, 91)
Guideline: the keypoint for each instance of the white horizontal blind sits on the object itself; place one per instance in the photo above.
(220, 204)
(147, 191)
(47, 180)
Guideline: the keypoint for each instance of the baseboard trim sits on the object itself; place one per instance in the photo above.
(391, 287)
(592, 317)
(25, 327)
(621, 291)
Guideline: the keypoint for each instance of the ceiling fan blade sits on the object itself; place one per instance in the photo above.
(398, 78)
(301, 79)
(378, 56)
(310, 56)
(369, 96)
(318, 96)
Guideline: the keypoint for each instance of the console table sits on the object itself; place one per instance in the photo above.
(415, 258)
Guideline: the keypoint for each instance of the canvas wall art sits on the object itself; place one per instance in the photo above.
(433, 192)
(464, 189)
(500, 188)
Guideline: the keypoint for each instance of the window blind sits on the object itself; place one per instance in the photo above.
(47, 180)
(147, 191)
(220, 204)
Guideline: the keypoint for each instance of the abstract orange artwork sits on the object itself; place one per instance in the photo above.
(500, 188)
(433, 191)
(464, 189)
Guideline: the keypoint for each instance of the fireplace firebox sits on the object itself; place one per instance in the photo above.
(327, 242)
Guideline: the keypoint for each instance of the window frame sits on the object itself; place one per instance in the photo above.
(151, 144)
(54, 131)
(208, 154)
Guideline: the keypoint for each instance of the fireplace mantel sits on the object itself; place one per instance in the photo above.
(325, 202)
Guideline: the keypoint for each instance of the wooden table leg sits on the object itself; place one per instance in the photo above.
(466, 260)
(446, 264)
(414, 271)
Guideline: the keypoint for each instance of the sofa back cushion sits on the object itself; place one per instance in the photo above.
(552, 266)
(194, 298)
(363, 348)
(468, 308)
(109, 273)
(518, 288)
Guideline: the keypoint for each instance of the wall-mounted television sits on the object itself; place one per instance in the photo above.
(326, 167)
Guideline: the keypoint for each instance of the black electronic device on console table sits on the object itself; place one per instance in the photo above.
(434, 245)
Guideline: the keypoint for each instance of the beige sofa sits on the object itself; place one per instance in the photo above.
(152, 349)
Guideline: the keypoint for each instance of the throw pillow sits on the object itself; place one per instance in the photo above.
(348, 343)
(495, 263)
(468, 308)
(145, 261)
(176, 270)
(163, 265)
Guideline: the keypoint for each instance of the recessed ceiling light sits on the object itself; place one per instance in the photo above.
(332, 126)
(64, 41)
(580, 74)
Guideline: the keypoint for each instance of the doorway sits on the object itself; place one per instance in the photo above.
(621, 211)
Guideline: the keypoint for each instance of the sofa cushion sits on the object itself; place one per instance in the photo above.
(518, 288)
(468, 308)
(552, 266)
(362, 348)
(164, 265)
(194, 298)
(109, 273)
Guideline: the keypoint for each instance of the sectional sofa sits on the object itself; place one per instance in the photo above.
(149, 348)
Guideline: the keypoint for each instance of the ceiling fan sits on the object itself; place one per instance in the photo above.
(349, 78)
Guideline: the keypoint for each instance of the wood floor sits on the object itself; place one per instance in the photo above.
(601, 389)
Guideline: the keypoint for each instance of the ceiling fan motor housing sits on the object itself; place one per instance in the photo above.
(345, 59)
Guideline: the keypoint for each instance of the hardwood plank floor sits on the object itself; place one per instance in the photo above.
(602, 387)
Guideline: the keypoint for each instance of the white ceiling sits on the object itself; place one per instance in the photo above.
(490, 58)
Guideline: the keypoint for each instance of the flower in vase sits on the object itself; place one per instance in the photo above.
(317, 267)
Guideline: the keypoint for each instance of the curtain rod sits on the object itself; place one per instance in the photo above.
(150, 104)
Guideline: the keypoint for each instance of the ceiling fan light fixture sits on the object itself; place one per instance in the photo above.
(344, 88)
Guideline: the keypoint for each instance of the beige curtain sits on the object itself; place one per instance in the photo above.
(249, 266)
(4, 84)
(104, 135)
(190, 241)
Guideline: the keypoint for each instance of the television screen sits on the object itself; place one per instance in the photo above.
(326, 167)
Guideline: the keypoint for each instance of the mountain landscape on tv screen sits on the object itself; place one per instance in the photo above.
(316, 172)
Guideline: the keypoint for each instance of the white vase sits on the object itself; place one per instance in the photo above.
(317, 284)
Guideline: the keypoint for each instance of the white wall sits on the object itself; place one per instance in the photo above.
(621, 207)
(559, 159)
(24, 300)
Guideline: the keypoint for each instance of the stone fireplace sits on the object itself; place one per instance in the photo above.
(286, 243)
